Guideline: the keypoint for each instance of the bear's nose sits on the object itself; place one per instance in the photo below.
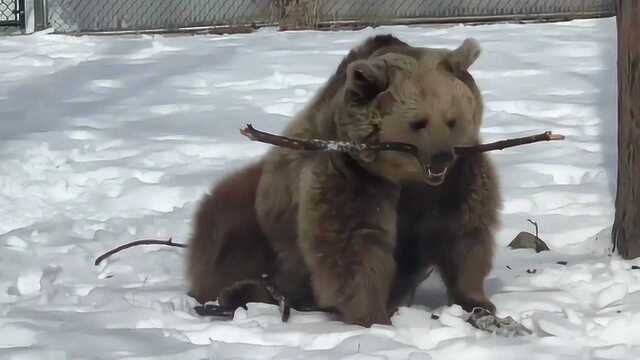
(442, 158)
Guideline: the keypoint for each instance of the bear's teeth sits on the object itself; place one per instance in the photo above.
(435, 178)
(441, 173)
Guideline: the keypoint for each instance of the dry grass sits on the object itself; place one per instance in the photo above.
(297, 14)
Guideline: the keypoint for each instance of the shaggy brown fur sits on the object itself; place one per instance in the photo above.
(346, 231)
(450, 227)
(227, 244)
(359, 234)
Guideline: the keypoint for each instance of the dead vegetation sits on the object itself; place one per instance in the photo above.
(296, 14)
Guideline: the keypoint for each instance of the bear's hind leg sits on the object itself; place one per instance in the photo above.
(227, 244)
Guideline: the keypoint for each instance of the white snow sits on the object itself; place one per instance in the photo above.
(104, 140)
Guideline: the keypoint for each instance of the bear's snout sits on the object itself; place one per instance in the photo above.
(442, 158)
(436, 169)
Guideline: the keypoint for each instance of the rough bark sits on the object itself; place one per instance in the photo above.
(345, 146)
(626, 228)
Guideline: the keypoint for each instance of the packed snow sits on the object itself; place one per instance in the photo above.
(105, 140)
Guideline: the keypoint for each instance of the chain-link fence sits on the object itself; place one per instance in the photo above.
(122, 15)
(353, 10)
(114, 15)
(10, 12)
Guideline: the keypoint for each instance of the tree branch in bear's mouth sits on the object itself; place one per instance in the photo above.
(350, 147)
(324, 145)
(503, 144)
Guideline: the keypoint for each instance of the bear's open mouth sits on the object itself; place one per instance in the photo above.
(435, 174)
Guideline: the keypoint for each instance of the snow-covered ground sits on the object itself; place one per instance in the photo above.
(104, 140)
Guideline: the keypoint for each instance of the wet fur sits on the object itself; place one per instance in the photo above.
(395, 233)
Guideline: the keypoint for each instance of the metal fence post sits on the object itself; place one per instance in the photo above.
(21, 14)
(40, 10)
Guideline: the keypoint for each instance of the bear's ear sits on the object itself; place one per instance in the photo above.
(365, 80)
(463, 57)
(385, 101)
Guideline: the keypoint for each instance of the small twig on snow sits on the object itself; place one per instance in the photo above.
(283, 302)
(214, 310)
(137, 243)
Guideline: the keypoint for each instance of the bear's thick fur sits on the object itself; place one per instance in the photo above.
(358, 233)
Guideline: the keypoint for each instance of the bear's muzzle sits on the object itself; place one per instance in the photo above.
(436, 169)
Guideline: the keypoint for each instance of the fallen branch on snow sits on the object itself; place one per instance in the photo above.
(169, 242)
(351, 147)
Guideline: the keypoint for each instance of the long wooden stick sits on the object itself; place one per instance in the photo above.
(503, 144)
(323, 145)
(345, 146)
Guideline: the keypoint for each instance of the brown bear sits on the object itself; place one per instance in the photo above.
(358, 232)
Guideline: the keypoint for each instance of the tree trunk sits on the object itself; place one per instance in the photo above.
(626, 228)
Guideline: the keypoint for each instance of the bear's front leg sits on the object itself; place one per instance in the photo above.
(346, 231)
(474, 201)
(464, 268)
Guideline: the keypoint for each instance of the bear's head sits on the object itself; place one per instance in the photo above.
(422, 96)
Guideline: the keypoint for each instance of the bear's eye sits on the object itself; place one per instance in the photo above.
(419, 124)
(451, 123)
